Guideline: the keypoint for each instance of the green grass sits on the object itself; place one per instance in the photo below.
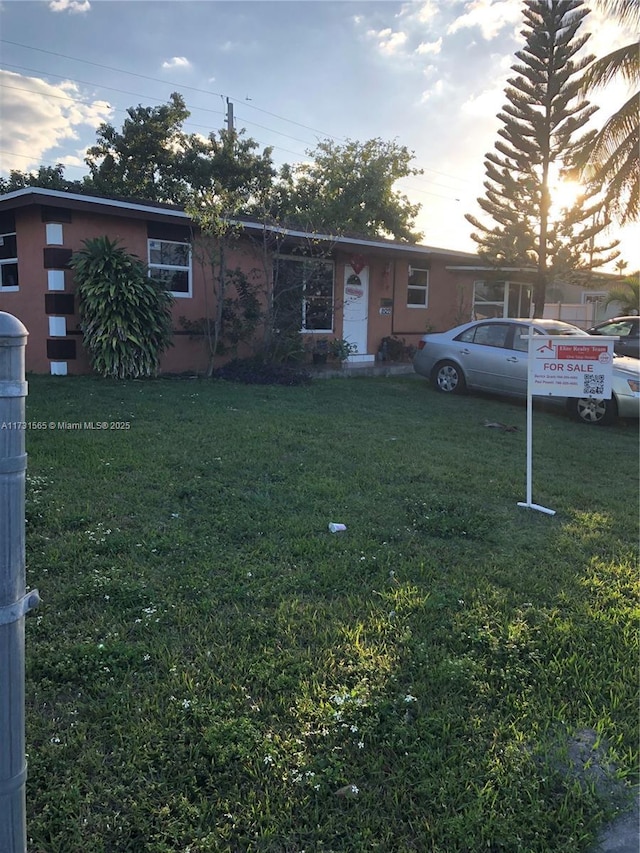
(212, 670)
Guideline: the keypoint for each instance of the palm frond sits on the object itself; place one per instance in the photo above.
(626, 11)
(622, 63)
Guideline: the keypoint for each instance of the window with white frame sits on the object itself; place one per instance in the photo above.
(303, 293)
(8, 262)
(418, 288)
(170, 263)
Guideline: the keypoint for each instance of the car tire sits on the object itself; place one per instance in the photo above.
(592, 411)
(448, 378)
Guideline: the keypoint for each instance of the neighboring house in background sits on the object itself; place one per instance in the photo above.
(362, 290)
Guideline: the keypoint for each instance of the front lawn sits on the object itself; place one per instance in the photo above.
(212, 670)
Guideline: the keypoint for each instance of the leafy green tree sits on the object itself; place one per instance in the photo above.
(349, 188)
(125, 314)
(537, 145)
(140, 160)
(225, 167)
(227, 178)
(613, 154)
(153, 158)
(49, 177)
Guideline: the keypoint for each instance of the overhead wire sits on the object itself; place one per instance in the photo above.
(190, 124)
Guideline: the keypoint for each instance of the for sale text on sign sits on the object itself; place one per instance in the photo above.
(560, 368)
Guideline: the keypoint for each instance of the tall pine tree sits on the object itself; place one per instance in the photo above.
(538, 144)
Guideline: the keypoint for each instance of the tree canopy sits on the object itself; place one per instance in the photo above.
(538, 144)
(346, 188)
(350, 188)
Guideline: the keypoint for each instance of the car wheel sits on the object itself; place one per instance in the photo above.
(596, 412)
(448, 378)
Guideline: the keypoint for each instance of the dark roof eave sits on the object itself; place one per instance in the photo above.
(150, 210)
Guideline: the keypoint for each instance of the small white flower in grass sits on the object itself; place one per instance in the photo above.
(146, 657)
(353, 728)
(55, 739)
(360, 744)
(409, 698)
(186, 704)
(268, 760)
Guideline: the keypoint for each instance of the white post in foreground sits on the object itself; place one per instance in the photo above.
(529, 501)
(564, 366)
(14, 603)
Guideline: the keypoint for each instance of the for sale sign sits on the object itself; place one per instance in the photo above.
(562, 367)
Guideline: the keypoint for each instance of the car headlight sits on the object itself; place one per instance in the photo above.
(634, 384)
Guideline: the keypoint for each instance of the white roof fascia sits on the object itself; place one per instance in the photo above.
(93, 199)
(356, 241)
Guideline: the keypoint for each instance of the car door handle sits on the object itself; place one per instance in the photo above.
(464, 352)
(513, 358)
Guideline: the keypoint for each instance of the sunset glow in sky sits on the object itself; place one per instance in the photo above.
(429, 74)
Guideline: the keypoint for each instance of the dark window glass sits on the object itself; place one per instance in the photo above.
(177, 281)
(303, 294)
(9, 275)
(8, 247)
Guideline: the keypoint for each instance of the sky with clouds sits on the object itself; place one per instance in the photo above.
(428, 74)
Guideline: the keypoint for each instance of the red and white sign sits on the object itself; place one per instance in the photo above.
(559, 367)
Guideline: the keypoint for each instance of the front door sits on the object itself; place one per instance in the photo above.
(356, 311)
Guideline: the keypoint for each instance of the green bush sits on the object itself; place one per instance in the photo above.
(125, 314)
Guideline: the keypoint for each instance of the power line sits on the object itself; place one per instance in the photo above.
(206, 109)
(201, 91)
(167, 83)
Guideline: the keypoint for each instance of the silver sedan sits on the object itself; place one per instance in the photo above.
(492, 355)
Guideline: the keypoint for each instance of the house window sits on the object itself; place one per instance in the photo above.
(418, 288)
(8, 262)
(303, 293)
(170, 263)
(500, 299)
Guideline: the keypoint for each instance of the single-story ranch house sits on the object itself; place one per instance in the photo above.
(362, 290)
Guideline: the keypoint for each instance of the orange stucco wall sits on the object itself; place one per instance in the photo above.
(449, 298)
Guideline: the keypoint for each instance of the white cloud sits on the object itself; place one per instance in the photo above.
(490, 16)
(74, 7)
(423, 12)
(489, 100)
(434, 92)
(38, 116)
(180, 62)
(389, 42)
(430, 46)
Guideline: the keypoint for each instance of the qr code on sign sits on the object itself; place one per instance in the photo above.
(594, 385)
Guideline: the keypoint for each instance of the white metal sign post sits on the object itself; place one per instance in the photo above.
(564, 366)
